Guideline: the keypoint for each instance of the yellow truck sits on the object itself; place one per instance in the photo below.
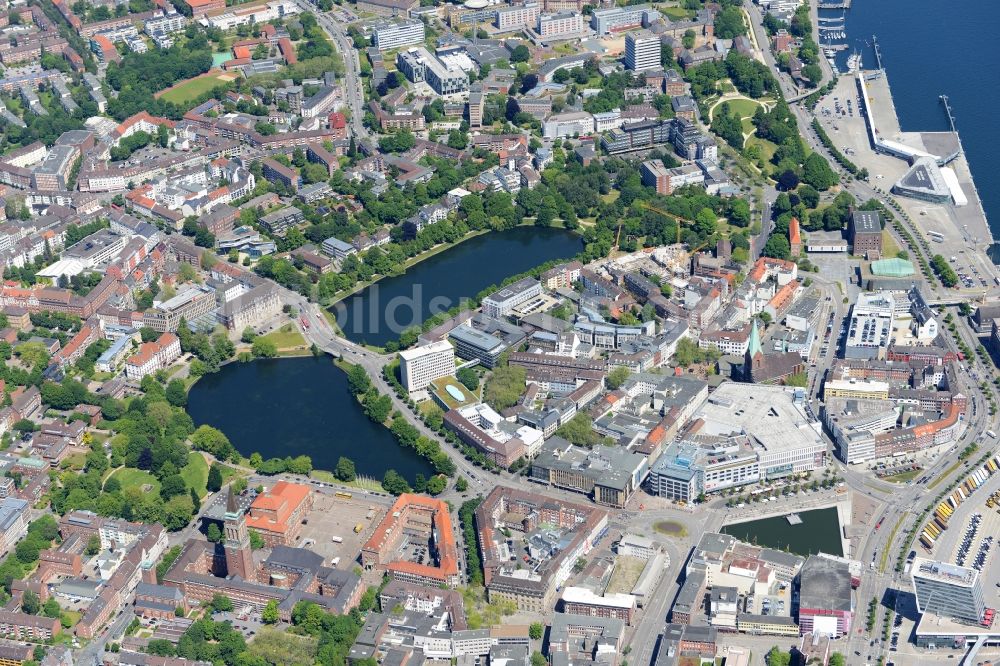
(358, 528)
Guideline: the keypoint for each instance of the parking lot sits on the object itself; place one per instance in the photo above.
(334, 516)
(778, 604)
(977, 545)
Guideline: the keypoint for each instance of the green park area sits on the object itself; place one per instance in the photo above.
(286, 337)
(195, 473)
(129, 477)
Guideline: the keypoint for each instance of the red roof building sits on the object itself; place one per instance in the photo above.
(277, 514)
(199, 7)
(287, 51)
(410, 515)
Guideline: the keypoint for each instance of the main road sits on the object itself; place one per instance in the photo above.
(354, 94)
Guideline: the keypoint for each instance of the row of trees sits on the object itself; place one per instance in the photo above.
(378, 407)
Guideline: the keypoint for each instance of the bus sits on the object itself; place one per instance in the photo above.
(936, 236)
(992, 434)
(343, 495)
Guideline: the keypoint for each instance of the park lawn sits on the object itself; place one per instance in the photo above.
(286, 337)
(767, 148)
(129, 476)
(192, 88)
(195, 473)
(745, 107)
(72, 616)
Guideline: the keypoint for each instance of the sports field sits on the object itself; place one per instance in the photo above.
(190, 89)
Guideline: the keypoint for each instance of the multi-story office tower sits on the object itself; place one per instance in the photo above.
(948, 590)
(421, 365)
(642, 51)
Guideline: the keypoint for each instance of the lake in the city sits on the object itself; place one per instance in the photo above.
(298, 406)
(380, 312)
(819, 531)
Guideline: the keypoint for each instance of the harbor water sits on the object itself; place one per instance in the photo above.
(819, 530)
(930, 49)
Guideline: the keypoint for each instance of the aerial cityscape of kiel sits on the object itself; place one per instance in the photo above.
(499, 333)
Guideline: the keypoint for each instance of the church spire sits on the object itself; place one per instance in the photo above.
(231, 507)
(753, 346)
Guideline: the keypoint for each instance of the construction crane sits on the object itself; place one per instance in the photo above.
(659, 211)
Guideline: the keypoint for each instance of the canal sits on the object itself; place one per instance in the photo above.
(819, 531)
(298, 406)
(380, 312)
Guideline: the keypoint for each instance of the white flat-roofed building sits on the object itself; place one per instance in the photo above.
(571, 123)
(418, 64)
(394, 34)
(868, 389)
(854, 422)
(637, 546)
(870, 326)
(618, 19)
(642, 51)
(583, 601)
(420, 366)
(739, 435)
(502, 302)
(516, 17)
(13, 522)
(98, 248)
(165, 23)
(560, 24)
(607, 120)
(334, 247)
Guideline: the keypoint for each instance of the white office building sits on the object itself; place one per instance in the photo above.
(642, 51)
(388, 35)
(560, 24)
(501, 303)
(517, 17)
(420, 366)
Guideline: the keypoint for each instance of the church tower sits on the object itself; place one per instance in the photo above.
(754, 355)
(239, 555)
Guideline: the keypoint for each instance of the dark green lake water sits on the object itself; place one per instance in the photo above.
(295, 406)
(380, 312)
(819, 531)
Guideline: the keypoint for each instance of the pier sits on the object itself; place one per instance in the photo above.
(947, 109)
(793, 519)
(951, 121)
(878, 53)
(841, 4)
